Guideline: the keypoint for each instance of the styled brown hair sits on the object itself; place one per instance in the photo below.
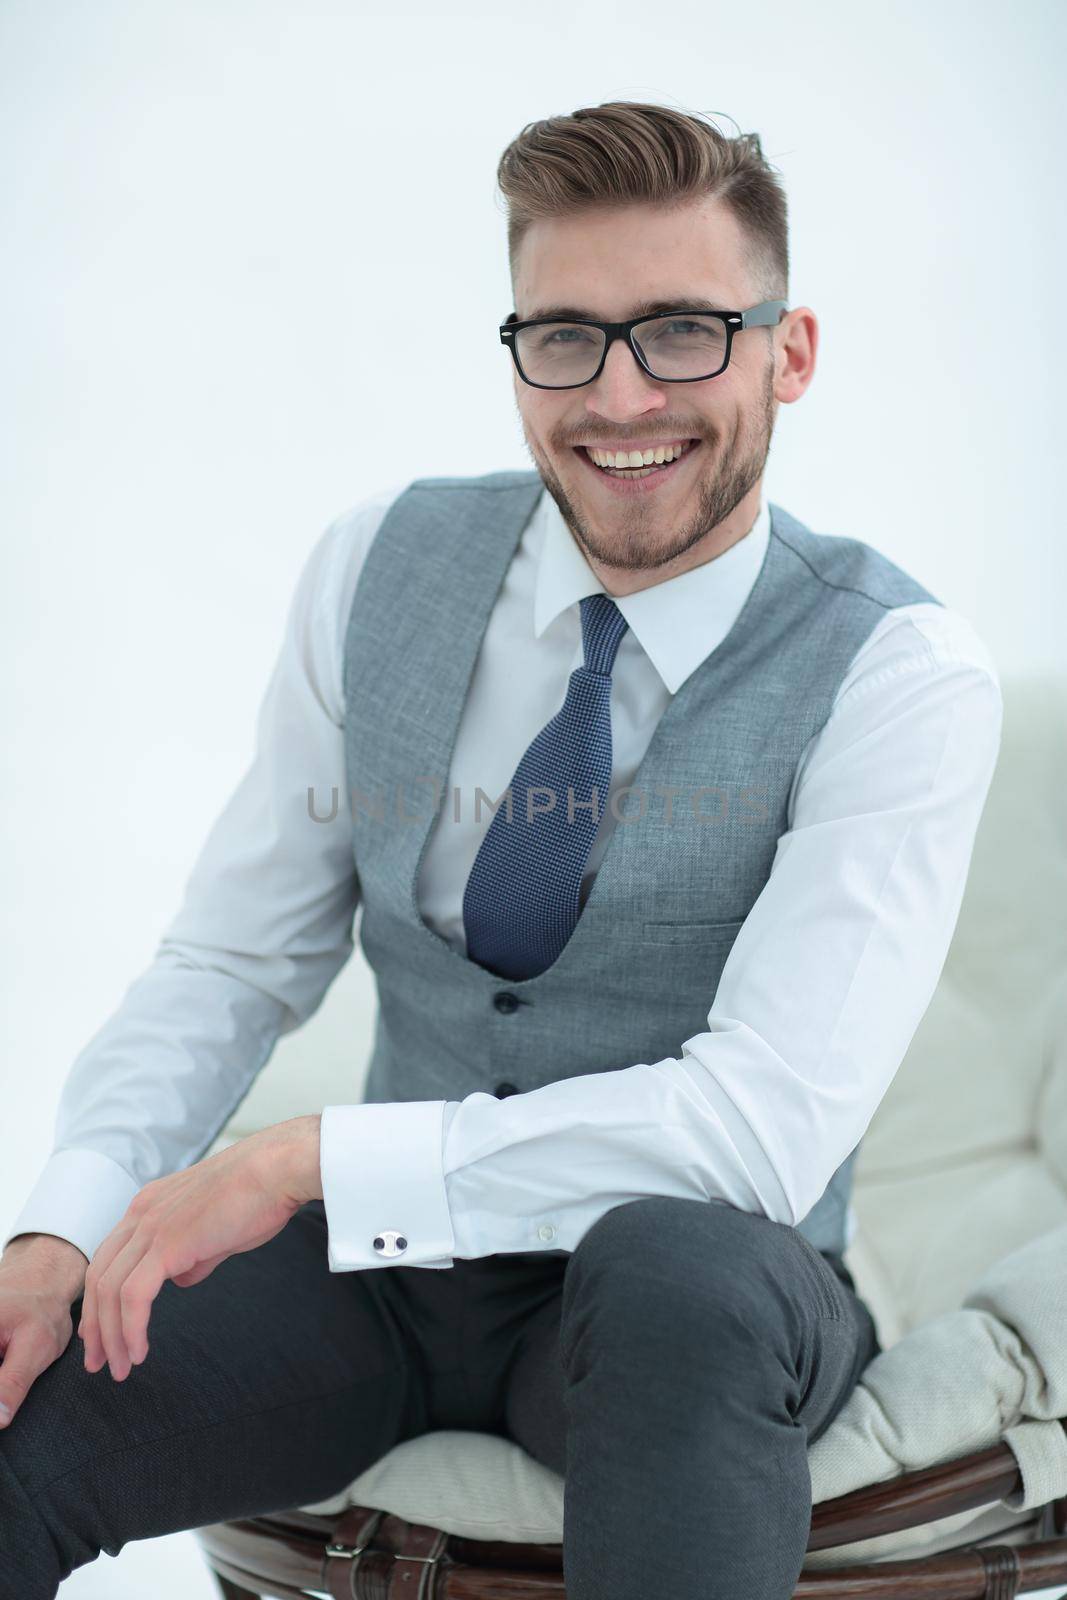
(624, 152)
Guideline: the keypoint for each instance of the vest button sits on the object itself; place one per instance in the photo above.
(505, 1002)
(502, 1090)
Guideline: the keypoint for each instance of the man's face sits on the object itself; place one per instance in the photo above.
(604, 263)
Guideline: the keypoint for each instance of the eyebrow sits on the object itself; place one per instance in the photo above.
(645, 308)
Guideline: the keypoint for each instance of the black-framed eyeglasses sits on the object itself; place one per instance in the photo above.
(680, 346)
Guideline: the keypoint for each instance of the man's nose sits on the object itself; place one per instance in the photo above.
(624, 388)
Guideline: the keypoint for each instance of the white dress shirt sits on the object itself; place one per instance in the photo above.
(820, 996)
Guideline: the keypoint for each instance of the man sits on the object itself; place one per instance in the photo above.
(680, 751)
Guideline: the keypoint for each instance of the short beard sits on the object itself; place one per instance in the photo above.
(633, 546)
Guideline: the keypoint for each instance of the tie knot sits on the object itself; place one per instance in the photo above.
(603, 625)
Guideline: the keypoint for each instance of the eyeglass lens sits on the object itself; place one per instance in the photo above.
(562, 353)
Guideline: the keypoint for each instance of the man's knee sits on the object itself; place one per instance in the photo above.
(680, 1274)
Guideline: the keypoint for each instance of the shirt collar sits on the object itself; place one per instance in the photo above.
(678, 622)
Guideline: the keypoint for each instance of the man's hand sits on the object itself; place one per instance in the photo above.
(182, 1226)
(40, 1278)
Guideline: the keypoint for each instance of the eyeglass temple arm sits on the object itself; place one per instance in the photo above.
(767, 315)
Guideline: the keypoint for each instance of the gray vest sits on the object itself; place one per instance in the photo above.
(681, 871)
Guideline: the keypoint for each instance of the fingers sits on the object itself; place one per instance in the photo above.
(89, 1326)
(110, 1289)
(135, 1299)
(29, 1350)
(101, 1322)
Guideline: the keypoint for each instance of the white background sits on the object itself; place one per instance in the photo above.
(228, 228)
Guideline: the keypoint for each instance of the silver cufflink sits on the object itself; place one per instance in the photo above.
(390, 1243)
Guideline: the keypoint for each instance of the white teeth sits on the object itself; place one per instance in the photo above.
(637, 458)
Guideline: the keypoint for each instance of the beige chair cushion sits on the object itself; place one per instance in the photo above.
(966, 1156)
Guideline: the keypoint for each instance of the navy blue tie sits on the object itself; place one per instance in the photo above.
(522, 898)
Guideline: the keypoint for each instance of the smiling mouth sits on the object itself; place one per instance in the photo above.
(635, 474)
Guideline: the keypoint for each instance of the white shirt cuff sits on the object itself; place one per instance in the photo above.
(80, 1196)
(383, 1185)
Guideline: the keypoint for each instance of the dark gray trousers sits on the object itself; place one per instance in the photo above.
(673, 1369)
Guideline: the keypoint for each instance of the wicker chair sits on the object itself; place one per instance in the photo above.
(962, 1177)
